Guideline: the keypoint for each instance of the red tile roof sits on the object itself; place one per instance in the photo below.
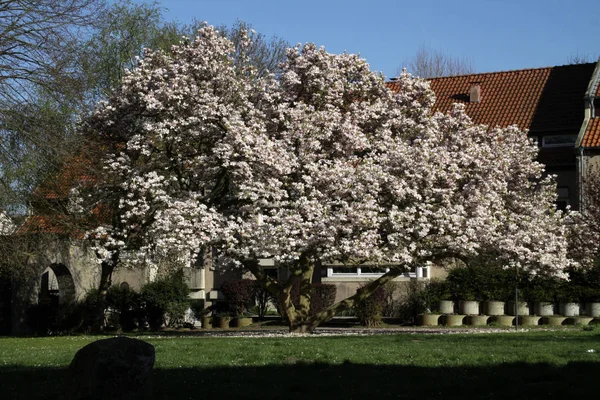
(63, 224)
(74, 171)
(56, 224)
(591, 138)
(542, 100)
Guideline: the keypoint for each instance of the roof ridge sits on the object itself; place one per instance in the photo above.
(511, 71)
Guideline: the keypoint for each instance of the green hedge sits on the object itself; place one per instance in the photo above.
(165, 301)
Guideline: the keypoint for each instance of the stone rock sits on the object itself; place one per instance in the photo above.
(115, 368)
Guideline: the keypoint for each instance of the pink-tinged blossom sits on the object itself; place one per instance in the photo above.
(323, 162)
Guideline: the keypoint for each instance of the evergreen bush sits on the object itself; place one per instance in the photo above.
(125, 303)
(165, 301)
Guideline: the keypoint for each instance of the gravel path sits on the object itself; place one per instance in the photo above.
(283, 332)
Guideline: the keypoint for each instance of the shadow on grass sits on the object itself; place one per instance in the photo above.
(347, 381)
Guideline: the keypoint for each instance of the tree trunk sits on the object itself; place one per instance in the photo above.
(302, 328)
(105, 282)
(299, 319)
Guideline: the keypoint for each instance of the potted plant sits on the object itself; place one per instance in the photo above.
(465, 284)
(542, 291)
(497, 288)
(568, 295)
(477, 319)
(529, 320)
(223, 320)
(242, 320)
(494, 307)
(428, 319)
(438, 297)
(239, 293)
(454, 320)
(591, 296)
(200, 313)
(504, 320)
(468, 303)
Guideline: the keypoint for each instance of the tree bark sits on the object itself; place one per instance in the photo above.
(299, 319)
(348, 303)
(106, 271)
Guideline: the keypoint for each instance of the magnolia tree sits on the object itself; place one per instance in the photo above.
(584, 228)
(319, 164)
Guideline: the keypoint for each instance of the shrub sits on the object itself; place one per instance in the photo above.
(80, 316)
(197, 307)
(165, 301)
(500, 284)
(585, 284)
(126, 304)
(413, 301)
(322, 296)
(481, 283)
(369, 311)
(262, 297)
(540, 288)
(434, 291)
(239, 293)
(466, 283)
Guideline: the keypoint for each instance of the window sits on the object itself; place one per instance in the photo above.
(562, 200)
(371, 271)
(559, 141)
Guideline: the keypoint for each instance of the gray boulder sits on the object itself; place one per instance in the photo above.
(116, 368)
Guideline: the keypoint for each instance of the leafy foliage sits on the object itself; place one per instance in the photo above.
(346, 171)
(77, 317)
(165, 301)
(262, 299)
(239, 293)
(370, 310)
(481, 282)
(322, 297)
(412, 302)
(126, 304)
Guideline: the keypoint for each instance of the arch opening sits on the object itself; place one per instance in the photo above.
(57, 286)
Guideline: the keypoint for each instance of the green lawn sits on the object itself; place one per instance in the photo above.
(538, 364)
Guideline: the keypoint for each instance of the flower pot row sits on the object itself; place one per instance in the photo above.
(502, 320)
(493, 308)
(225, 322)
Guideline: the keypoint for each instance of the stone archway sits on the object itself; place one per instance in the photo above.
(57, 286)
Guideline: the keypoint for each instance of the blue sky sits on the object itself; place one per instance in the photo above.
(495, 34)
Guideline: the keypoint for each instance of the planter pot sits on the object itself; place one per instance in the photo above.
(428, 319)
(529, 320)
(242, 322)
(223, 322)
(494, 308)
(468, 307)
(477, 319)
(503, 320)
(454, 320)
(206, 322)
(592, 309)
(579, 320)
(524, 308)
(544, 308)
(446, 307)
(568, 309)
(553, 321)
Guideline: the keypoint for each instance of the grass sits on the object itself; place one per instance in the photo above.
(529, 365)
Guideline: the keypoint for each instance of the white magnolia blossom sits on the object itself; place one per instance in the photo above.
(336, 166)
(7, 226)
